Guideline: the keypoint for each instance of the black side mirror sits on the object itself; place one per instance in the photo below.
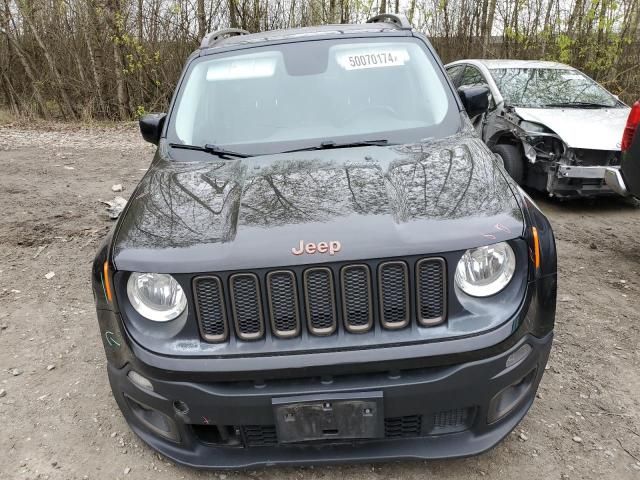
(475, 100)
(151, 126)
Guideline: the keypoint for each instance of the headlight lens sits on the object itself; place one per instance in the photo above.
(532, 127)
(156, 296)
(486, 270)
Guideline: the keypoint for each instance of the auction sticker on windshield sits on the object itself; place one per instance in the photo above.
(358, 59)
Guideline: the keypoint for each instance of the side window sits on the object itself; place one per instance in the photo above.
(455, 74)
(473, 78)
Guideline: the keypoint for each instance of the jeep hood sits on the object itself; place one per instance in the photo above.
(208, 214)
(589, 128)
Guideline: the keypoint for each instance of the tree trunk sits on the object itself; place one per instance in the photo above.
(202, 20)
(233, 14)
(94, 71)
(113, 12)
(67, 110)
(40, 103)
(139, 20)
(12, 98)
(412, 11)
(121, 89)
(488, 27)
(546, 29)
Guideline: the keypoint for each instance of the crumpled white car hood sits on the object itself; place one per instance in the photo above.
(590, 128)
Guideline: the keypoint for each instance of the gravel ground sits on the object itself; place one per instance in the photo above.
(60, 421)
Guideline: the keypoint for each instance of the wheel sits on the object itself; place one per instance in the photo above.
(512, 159)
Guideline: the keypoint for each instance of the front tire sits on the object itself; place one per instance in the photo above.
(512, 159)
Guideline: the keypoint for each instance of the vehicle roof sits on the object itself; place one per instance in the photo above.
(499, 63)
(307, 33)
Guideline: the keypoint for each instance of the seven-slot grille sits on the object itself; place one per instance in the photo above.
(431, 301)
(321, 300)
(356, 298)
(246, 306)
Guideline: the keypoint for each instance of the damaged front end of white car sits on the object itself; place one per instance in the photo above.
(555, 129)
(571, 153)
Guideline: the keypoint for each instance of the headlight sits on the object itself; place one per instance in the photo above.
(484, 271)
(533, 127)
(156, 296)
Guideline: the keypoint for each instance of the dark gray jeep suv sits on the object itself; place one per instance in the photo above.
(324, 263)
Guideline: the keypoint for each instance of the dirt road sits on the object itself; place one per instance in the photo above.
(57, 416)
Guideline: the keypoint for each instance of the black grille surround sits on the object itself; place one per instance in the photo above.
(284, 311)
(246, 306)
(356, 298)
(210, 309)
(320, 301)
(431, 301)
(347, 298)
(395, 309)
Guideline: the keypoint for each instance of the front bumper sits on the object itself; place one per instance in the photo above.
(437, 412)
(591, 179)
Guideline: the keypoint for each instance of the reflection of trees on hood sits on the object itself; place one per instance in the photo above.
(447, 183)
(310, 191)
(185, 204)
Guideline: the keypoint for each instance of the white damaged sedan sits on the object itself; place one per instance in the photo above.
(556, 129)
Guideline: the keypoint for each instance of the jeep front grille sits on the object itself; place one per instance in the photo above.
(283, 303)
(246, 306)
(393, 280)
(356, 298)
(431, 301)
(320, 301)
(210, 309)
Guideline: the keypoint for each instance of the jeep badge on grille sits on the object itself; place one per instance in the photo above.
(331, 247)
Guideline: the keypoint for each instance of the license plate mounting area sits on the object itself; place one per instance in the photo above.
(325, 417)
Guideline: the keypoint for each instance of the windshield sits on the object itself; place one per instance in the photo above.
(543, 87)
(283, 97)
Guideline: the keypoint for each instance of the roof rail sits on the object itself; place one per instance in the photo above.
(210, 39)
(396, 19)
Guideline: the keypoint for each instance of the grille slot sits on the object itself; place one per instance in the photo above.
(259, 435)
(210, 309)
(403, 427)
(320, 301)
(431, 291)
(356, 298)
(246, 306)
(283, 304)
(393, 282)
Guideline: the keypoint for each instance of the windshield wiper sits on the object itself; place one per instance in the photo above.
(329, 144)
(212, 149)
(578, 105)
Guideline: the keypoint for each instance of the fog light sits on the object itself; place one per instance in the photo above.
(511, 397)
(519, 355)
(153, 419)
(139, 380)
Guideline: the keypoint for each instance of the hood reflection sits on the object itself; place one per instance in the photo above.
(209, 202)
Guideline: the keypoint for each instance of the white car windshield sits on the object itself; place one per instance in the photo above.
(295, 95)
(550, 87)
